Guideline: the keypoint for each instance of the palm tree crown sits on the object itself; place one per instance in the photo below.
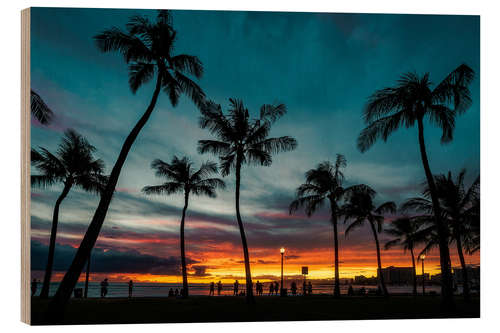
(73, 163)
(413, 98)
(147, 48)
(183, 178)
(242, 139)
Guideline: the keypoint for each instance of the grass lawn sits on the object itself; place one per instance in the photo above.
(217, 309)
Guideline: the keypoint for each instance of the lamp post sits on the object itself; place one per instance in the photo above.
(422, 257)
(282, 251)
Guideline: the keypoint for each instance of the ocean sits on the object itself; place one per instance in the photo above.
(120, 289)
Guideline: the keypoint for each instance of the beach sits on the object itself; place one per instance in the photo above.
(234, 309)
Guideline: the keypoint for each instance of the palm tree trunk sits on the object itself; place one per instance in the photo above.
(336, 288)
(183, 253)
(58, 303)
(414, 272)
(379, 261)
(444, 251)
(52, 243)
(465, 277)
(87, 274)
(249, 297)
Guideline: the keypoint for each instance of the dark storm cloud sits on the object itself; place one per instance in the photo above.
(107, 261)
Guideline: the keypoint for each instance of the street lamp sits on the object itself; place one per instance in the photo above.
(282, 251)
(422, 257)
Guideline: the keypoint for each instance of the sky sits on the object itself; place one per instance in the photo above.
(322, 66)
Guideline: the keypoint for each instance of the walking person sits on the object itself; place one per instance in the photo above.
(34, 286)
(212, 288)
(219, 288)
(130, 288)
(235, 288)
(104, 287)
(276, 287)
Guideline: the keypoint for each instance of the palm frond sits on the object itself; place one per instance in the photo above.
(139, 74)
(39, 109)
(165, 188)
(187, 63)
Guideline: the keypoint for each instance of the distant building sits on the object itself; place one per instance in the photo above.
(427, 278)
(472, 274)
(397, 275)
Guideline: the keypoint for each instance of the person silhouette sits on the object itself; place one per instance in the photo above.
(104, 287)
(276, 287)
(235, 289)
(130, 287)
(170, 292)
(34, 286)
(176, 292)
(271, 288)
(212, 288)
(309, 288)
(304, 288)
(350, 291)
(294, 288)
(219, 288)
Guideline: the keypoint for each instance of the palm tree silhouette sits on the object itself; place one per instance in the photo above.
(411, 101)
(72, 165)
(325, 184)
(459, 210)
(242, 140)
(360, 209)
(147, 48)
(406, 233)
(183, 178)
(39, 109)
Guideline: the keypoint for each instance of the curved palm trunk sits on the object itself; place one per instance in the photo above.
(87, 274)
(52, 244)
(57, 305)
(444, 251)
(185, 287)
(336, 288)
(249, 294)
(465, 276)
(414, 272)
(379, 261)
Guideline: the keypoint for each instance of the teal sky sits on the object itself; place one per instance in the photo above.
(322, 66)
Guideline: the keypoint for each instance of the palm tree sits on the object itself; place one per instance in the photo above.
(460, 211)
(360, 209)
(405, 230)
(39, 109)
(242, 140)
(325, 184)
(411, 101)
(72, 165)
(147, 47)
(183, 178)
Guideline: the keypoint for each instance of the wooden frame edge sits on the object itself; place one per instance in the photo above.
(25, 167)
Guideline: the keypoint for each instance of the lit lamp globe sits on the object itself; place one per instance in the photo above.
(282, 250)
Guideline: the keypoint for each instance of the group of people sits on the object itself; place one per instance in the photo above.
(274, 288)
(105, 285)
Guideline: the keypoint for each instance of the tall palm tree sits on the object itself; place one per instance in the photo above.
(72, 165)
(361, 209)
(183, 178)
(325, 184)
(39, 109)
(242, 140)
(406, 233)
(459, 210)
(412, 100)
(147, 47)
